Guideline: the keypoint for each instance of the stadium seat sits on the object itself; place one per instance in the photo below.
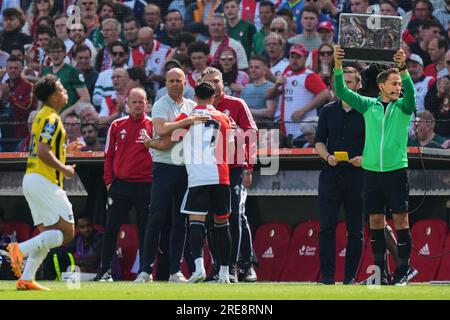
(21, 230)
(302, 263)
(271, 244)
(126, 247)
(341, 245)
(444, 268)
(429, 237)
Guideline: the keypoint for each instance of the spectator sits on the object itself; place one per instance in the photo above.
(280, 26)
(104, 84)
(325, 64)
(274, 45)
(309, 133)
(138, 79)
(138, 8)
(199, 13)
(39, 9)
(233, 79)
(174, 26)
(421, 82)
(266, 15)
(35, 53)
(425, 136)
(389, 8)
(188, 92)
(60, 26)
(296, 8)
(239, 30)
(131, 31)
(199, 54)
(254, 93)
(301, 90)
(220, 40)
(114, 104)
(104, 11)
(437, 48)
(429, 30)
(326, 33)
(111, 30)
(422, 12)
(359, 6)
(7, 4)
(77, 36)
(182, 42)
(153, 19)
(82, 57)
(443, 14)
(309, 20)
(13, 21)
(89, 132)
(18, 92)
(321, 6)
(70, 77)
(437, 101)
(72, 123)
(288, 16)
(88, 10)
(24, 144)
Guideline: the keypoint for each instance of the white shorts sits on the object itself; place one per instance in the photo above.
(48, 202)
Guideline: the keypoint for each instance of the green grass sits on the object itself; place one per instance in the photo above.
(213, 291)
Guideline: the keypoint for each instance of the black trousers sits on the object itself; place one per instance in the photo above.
(123, 195)
(169, 187)
(241, 237)
(337, 186)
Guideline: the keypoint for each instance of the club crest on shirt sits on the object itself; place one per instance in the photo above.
(122, 134)
(49, 128)
(227, 112)
(294, 83)
(142, 133)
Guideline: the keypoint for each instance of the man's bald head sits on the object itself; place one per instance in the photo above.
(145, 37)
(175, 83)
(137, 102)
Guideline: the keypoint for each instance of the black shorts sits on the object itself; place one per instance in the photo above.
(383, 191)
(214, 199)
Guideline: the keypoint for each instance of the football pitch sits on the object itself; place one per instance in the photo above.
(214, 291)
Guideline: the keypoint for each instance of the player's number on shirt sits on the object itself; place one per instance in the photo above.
(215, 126)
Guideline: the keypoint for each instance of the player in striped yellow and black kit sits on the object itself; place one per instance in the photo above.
(42, 185)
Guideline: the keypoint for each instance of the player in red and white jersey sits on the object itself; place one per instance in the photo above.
(301, 90)
(205, 148)
(151, 54)
(240, 174)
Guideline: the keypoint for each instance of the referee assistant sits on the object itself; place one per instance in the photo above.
(127, 175)
(340, 129)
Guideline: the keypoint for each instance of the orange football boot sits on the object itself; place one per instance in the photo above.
(16, 257)
(30, 285)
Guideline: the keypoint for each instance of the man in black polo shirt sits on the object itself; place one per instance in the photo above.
(340, 129)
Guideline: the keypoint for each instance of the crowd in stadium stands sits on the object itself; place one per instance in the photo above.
(104, 48)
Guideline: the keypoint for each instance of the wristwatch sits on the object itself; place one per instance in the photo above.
(402, 68)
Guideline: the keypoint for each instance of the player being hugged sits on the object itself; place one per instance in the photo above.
(43, 185)
(207, 146)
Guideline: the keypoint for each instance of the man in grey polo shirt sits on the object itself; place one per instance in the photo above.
(169, 179)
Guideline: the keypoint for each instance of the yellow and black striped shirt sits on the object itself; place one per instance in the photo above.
(47, 128)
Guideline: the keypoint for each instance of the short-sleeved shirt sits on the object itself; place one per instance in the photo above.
(71, 78)
(47, 128)
(255, 96)
(168, 109)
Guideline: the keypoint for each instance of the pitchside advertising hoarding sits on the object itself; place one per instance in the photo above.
(369, 38)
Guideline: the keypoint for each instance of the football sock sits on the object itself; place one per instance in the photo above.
(199, 264)
(222, 231)
(224, 271)
(404, 247)
(197, 238)
(33, 262)
(379, 248)
(48, 239)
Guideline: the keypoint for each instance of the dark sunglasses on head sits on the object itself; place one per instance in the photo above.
(120, 54)
(277, 30)
(326, 53)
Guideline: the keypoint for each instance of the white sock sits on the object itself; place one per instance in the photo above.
(33, 262)
(199, 264)
(48, 239)
(224, 271)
